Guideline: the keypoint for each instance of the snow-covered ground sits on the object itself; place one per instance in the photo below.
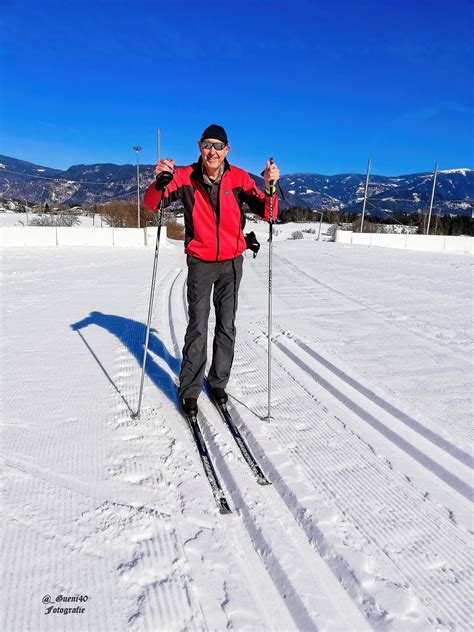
(280, 231)
(22, 219)
(368, 523)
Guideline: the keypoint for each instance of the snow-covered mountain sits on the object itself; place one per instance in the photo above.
(98, 183)
(410, 193)
(80, 184)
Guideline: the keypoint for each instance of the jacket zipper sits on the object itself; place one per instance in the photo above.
(217, 223)
(216, 215)
(217, 237)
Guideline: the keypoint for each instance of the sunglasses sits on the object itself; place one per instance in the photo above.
(205, 144)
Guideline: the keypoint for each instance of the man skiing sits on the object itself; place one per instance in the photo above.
(213, 193)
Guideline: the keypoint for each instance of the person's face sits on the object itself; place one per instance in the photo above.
(212, 158)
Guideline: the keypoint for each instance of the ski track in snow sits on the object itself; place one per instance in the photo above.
(155, 570)
(294, 567)
(217, 595)
(367, 524)
(433, 572)
(429, 342)
(456, 483)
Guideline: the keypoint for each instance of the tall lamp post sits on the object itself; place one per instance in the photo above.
(136, 150)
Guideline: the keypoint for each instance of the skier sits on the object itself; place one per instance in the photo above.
(212, 192)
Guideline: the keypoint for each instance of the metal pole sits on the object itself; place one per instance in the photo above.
(320, 224)
(365, 196)
(138, 190)
(136, 150)
(432, 198)
(270, 272)
(150, 305)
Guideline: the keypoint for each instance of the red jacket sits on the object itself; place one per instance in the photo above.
(213, 234)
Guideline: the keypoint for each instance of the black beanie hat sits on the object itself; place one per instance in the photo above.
(215, 131)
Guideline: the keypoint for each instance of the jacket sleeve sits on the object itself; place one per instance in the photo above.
(152, 197)
(258, 202)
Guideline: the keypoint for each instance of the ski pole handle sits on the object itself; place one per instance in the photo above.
(271, 198)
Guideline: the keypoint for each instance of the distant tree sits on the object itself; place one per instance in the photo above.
(422, 223)
(446, 223)
(58, 219)
(440, 224)
(175, 230)
(297, 214)
(122, 214)
(332, 217)
(369, 225)
(462, 226)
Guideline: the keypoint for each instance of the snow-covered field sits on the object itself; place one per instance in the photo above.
(368, 523)
(23, 219)
(280, 231)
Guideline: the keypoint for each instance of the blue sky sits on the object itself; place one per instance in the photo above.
(322, 86)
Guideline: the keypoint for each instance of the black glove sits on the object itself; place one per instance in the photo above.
(163, 179)
(252, 243)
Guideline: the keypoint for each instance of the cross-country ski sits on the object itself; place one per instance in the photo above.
(209, 470)
(240, 441)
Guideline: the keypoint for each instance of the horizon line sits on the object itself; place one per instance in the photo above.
(296, 173)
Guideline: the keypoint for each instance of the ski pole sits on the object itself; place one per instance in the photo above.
(150, 305)
(270, 253)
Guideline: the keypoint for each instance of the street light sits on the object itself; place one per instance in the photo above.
(136, 150)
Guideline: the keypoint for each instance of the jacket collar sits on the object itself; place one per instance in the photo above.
(196, 172)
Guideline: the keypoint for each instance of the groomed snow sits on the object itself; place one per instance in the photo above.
(368, 523)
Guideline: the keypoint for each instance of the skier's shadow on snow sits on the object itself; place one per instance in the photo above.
(131, 334)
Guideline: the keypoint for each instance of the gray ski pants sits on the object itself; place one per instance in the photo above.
(225, 277)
